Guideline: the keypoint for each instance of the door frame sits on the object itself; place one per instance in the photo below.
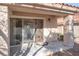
(30, 17)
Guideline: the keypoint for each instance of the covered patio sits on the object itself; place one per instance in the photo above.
(55, 21)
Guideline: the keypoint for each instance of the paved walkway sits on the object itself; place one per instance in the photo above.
(38, 50)
(52, 47)
(71, 52)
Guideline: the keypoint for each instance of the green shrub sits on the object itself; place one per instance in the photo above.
(60, 37)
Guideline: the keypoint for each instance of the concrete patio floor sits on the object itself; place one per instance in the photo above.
(51, 48)
(70, 52)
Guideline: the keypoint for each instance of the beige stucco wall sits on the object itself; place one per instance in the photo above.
(68, 31)
(76, 28)
(76, 32)
(65, 27)
(60, 26)
(50, 29)
(4, 34)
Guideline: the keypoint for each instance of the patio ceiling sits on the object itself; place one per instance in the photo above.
(45, 9)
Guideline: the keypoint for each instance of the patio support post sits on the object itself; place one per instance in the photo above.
(68, 31)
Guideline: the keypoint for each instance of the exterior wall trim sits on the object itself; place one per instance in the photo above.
(26, 17)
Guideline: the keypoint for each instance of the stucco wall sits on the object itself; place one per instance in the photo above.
(76, 32)
(68, 31)
(50, 29)
(60, 26)
(76, 27)
(4, 35)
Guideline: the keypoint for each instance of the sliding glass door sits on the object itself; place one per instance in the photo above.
(28, 30)
(23, 32)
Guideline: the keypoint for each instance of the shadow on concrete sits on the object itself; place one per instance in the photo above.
(37, 51)
(2, 53)
(2, 34)
(5, 40)
(71, 52)
(27, 51)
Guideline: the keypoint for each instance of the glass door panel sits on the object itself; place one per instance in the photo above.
(28, 31)
(15, 35)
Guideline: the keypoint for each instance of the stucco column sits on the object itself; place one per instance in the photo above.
(68, 31)
(4, 31)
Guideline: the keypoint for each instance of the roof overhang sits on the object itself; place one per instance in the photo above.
(39, 9)
(59, 6)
